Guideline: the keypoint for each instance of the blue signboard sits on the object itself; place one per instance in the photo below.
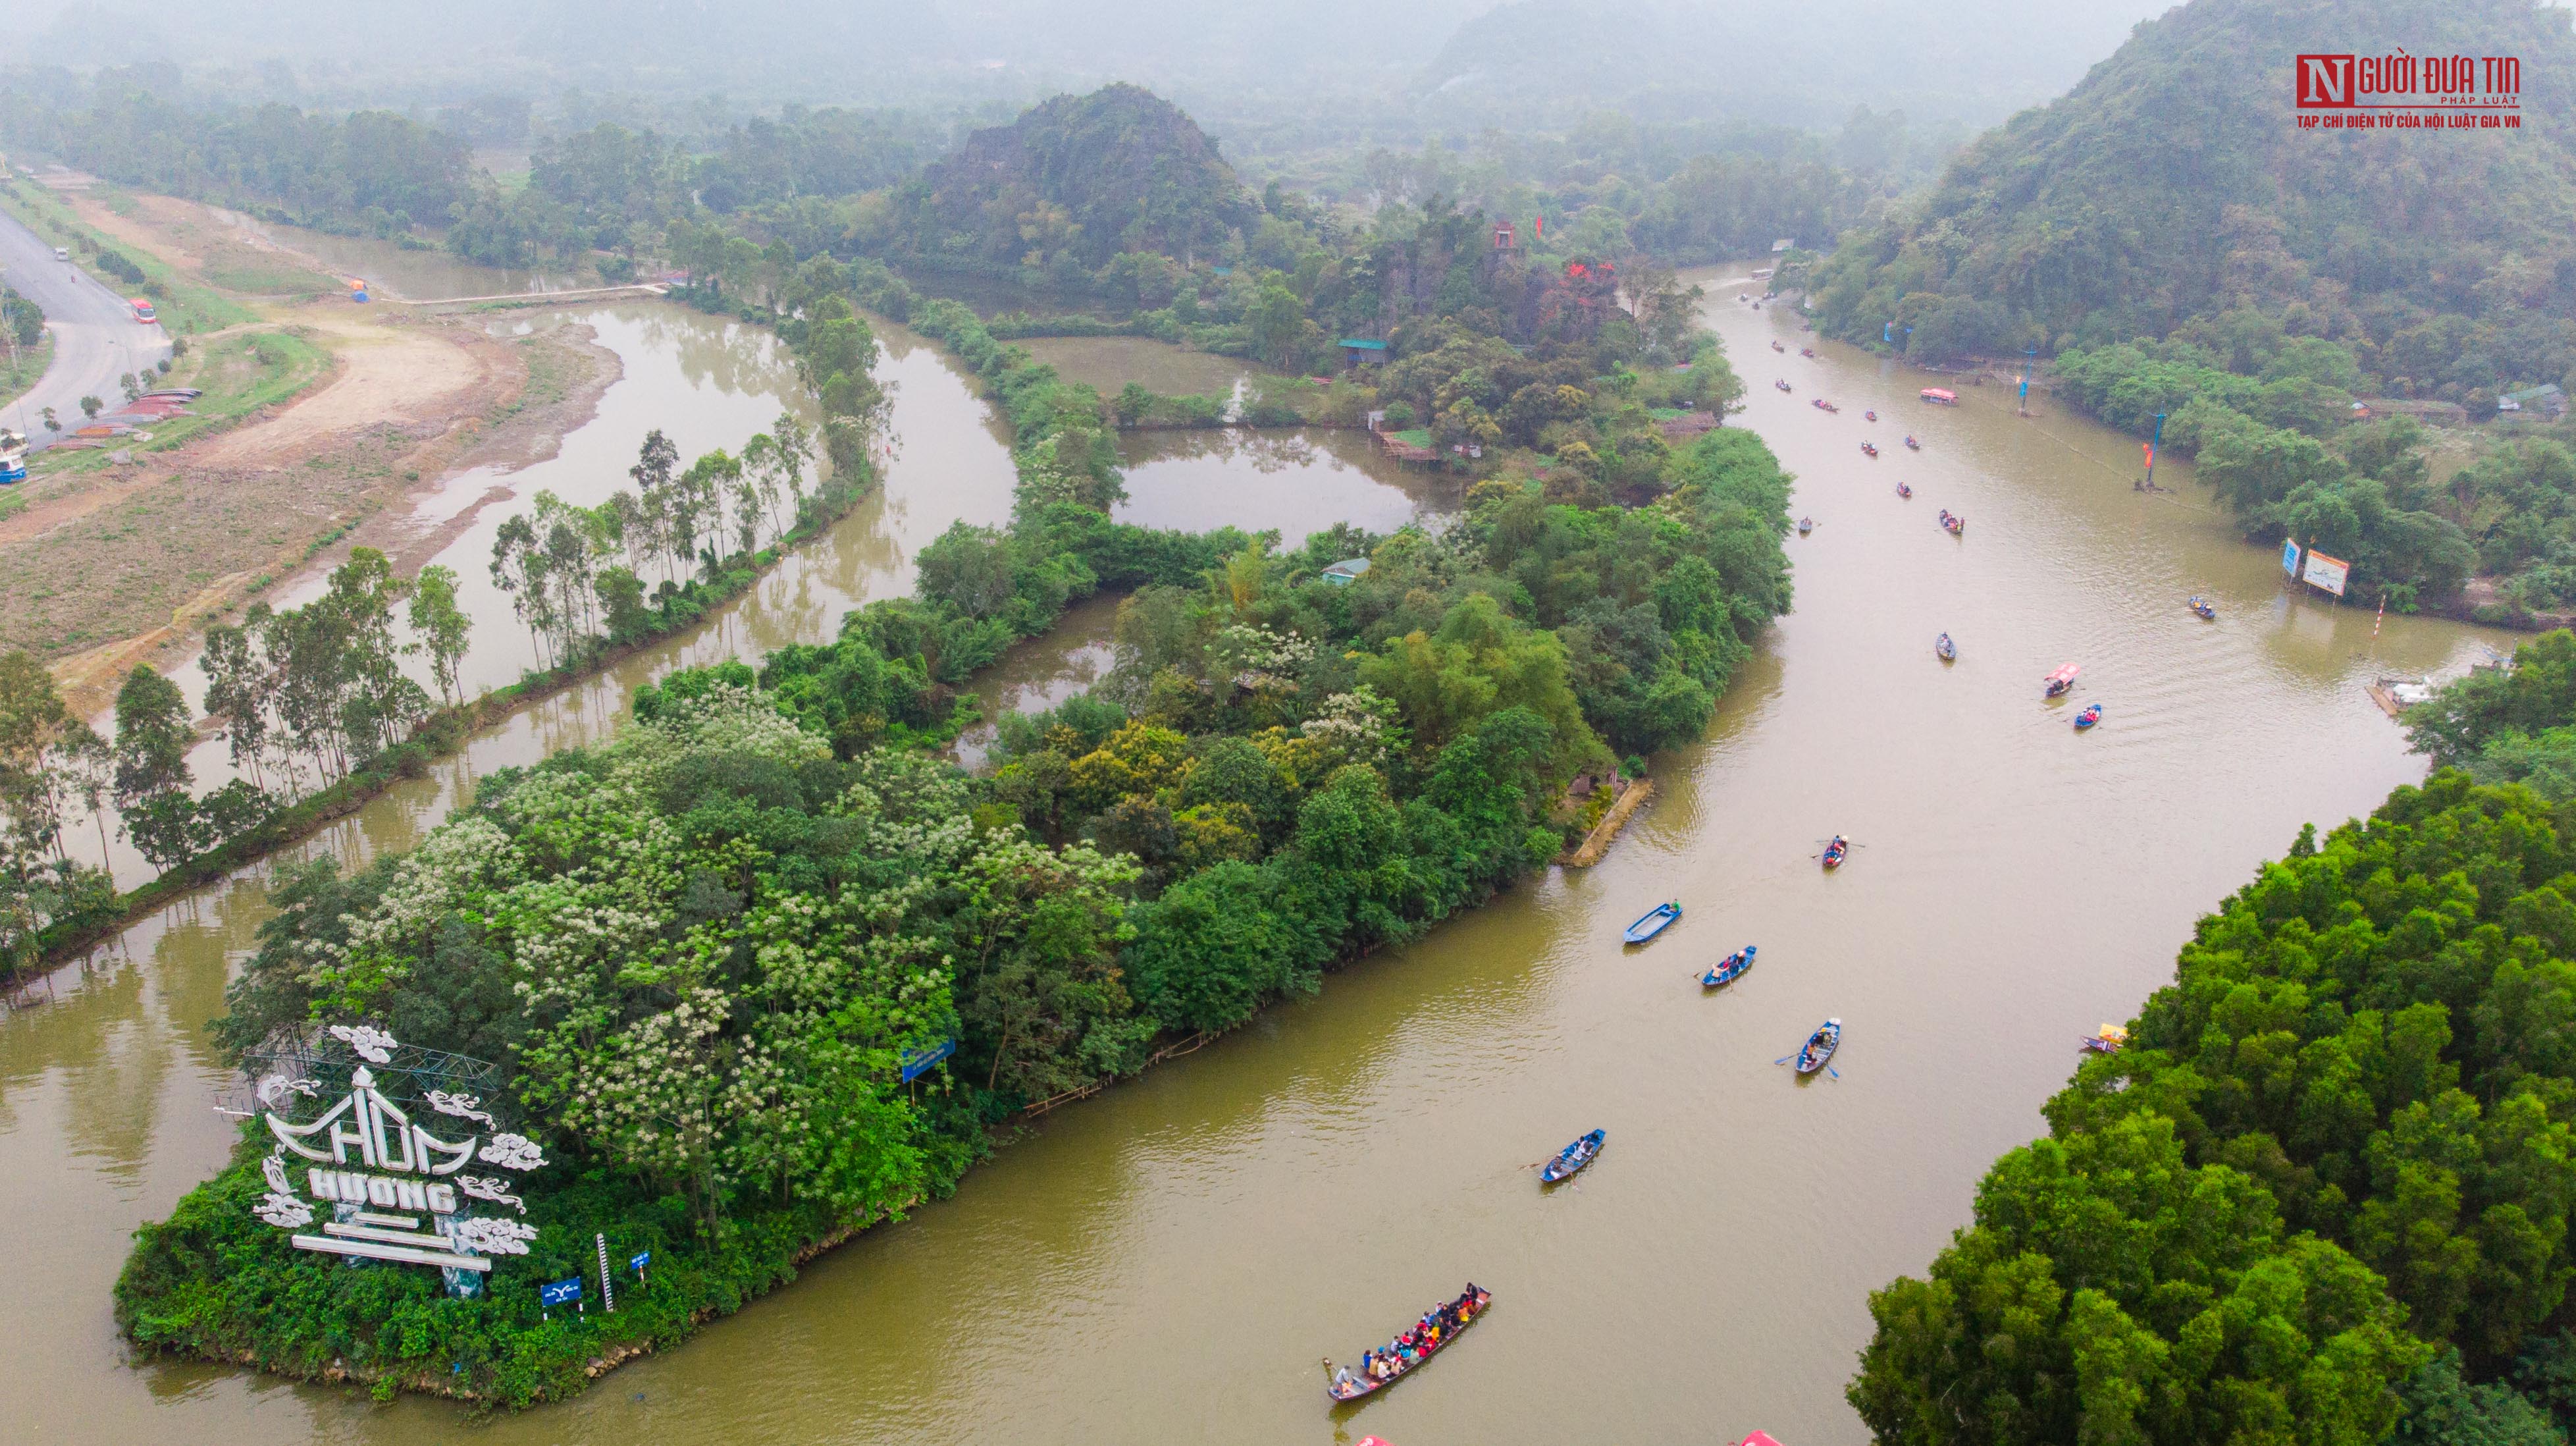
(560, 1292)
(641, 1259)
(2290, 557)
(917, 1062)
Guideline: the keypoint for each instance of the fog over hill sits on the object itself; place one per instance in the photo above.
(1328, 65)
(1807, 64)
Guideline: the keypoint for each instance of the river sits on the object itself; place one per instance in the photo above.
(1166, 1262)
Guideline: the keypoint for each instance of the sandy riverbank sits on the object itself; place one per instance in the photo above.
(107, 567)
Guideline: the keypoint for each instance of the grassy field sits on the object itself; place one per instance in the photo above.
(239, 374)
(30, 369)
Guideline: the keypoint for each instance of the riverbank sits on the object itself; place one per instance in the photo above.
(443, 734)
(1596, 843)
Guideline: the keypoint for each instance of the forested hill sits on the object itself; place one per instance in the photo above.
(2173, 183)
(1075, 180)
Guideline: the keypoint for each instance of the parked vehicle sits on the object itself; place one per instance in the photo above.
(142, 310)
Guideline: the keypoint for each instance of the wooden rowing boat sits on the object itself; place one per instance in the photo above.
(1652, 922)
(1835, 851)
(1571, 1160)
(1820, 1046)
(1728, 969)
(1350, 1385)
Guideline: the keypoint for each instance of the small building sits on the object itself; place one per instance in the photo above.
(1785, 243)
(2542, 401)
(1346, 572)
(1505, 236)
(1358, 352)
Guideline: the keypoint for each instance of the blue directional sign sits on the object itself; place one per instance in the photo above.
(917, 1062)
(640, 1259)
(566, 1291)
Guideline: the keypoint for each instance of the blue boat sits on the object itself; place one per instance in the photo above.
(1571, 1160)
(1652, 922)
(2091, 715)
(1820, 1046)
(1729, 968)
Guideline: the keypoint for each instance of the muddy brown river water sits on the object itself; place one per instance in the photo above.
(1166, 1262)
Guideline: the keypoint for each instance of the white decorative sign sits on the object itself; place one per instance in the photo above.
(377, 1172)
(371, 1043)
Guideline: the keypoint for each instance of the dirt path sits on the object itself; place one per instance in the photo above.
(387, 375)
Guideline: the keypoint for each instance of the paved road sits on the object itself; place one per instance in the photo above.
(96, 338)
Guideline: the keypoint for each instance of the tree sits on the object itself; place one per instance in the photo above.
(1041, 987)
(90, 407)
(38, 738)
(794, 446)
(655, 463)
(441, 627)
(1279, 327)
(1210, 951)
(239, 689)
(153, 736)
(520, 567)
(1480, 661)
(968, 568)
(379, 703)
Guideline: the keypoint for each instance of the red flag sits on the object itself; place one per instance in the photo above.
(1538, 224)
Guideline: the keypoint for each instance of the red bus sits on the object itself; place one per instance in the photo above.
(142, 309)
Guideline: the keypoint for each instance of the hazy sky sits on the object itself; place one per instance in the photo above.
(1443, 62)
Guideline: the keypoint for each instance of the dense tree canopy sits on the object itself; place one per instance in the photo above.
(2328, 1180)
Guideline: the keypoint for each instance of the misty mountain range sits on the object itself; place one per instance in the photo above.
(1360, 67)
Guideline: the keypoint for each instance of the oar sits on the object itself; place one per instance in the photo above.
(1829, 1069)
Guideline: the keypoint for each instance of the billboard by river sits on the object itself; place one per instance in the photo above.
(2326, 572)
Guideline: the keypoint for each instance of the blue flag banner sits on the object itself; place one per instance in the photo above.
(917, 1062)
(560, 1292)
